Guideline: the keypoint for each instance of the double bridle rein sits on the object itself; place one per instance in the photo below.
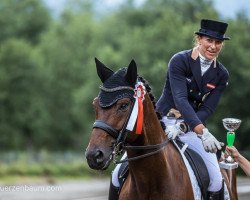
(121, 135)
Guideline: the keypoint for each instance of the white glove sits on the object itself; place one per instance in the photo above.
(210, 143)
(173, 131)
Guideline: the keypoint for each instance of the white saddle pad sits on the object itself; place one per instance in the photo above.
(195, 186)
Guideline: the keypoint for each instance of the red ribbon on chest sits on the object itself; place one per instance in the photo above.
(211, 86)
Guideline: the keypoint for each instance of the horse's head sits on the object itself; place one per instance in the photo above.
(112, 109)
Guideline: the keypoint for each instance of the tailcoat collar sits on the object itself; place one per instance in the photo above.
(196, 68)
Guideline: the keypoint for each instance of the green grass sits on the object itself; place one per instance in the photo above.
(45, 166)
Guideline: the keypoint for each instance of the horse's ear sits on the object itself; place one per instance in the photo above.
(131, 75)
(103, 72)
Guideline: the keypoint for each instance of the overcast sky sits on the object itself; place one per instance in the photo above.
(229, 8)
(226, 8)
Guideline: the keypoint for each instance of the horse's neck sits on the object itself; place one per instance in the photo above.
(152, 130)
(152, 134)
(156, 172)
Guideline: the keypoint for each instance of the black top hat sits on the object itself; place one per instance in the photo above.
(214, 29)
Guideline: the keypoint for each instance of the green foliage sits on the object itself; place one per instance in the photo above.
(22, 107)
(48, 76)
(25, 19)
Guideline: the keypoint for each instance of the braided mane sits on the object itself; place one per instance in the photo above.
(152, 98)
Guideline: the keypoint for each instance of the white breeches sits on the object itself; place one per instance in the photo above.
(210, 159)
(115, 181)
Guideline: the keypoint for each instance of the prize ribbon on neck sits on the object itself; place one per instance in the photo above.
(137, 112)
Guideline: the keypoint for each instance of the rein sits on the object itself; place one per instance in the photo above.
(157, 147)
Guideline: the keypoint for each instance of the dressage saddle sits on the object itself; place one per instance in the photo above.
(195, 161)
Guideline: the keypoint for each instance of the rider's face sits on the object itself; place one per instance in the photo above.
(209, 47)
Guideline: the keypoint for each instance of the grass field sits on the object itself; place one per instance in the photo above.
(45, 166)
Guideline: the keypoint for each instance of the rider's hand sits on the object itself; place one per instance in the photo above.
(173, 131)
(210, 143)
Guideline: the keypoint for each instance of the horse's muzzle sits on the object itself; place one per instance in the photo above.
(96, 159)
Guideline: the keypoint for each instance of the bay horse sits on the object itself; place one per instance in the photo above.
(156, 168)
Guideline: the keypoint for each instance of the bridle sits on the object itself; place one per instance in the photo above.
(121, 135)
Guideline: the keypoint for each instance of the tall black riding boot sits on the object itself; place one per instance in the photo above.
(216, 195)
(113, 192)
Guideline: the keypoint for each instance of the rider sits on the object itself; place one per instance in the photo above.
(194, 83)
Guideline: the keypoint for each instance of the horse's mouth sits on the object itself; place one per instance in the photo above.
(108, 162)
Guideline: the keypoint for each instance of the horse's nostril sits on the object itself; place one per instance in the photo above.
(96, 159)
(99, 156)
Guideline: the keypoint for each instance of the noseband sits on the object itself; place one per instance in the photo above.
(107, 128)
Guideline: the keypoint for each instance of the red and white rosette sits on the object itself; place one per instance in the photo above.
(137, 112)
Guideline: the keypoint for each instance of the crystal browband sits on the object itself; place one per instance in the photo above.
(115, 89)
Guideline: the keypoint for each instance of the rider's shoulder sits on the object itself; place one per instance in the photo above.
(182, 54)
(222, 68)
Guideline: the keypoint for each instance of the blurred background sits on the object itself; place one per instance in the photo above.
(48, 77)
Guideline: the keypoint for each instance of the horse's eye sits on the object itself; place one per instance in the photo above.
(124, 106)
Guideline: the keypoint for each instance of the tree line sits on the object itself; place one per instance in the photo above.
(48, 76)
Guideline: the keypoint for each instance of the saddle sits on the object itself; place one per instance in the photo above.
(123, 173)
(198, 166)
(195, 161)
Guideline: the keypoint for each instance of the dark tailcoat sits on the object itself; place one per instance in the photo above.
(195, 96)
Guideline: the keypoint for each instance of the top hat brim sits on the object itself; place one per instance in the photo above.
(212, 35)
